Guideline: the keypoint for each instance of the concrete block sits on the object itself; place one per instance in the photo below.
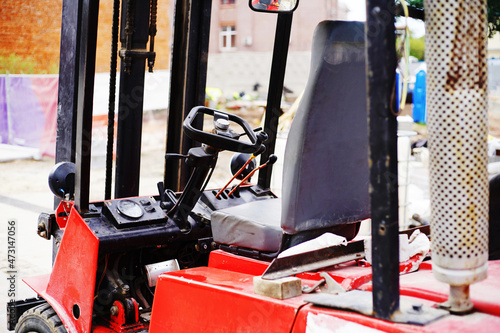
(281, 288)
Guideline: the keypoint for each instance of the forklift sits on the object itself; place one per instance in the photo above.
(238, 258)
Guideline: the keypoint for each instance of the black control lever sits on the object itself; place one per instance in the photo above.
(258, 129)
(161, 190)
(262, 137)
(202, 162)
(174, 155)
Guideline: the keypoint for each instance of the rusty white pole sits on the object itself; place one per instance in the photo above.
(456, 37)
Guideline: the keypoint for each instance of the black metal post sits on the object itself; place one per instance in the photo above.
(275, 91)
(135, 19)
(188, 82)
(177, 93)
(196, 73)
(85, 97)
(71, 22)
(112, 97)
(382, 127)
(68, 83)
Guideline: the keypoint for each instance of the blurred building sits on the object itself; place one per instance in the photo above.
(234, 28)
(241, 44)
(241, 41)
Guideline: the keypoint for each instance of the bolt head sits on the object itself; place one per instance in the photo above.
(417, 307)
(114, 310)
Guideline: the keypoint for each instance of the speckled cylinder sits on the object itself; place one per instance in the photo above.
(456, 37)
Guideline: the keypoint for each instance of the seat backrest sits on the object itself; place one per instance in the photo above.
(326, 174)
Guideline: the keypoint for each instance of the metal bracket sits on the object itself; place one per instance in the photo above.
(205, 245)
(127, 56)
(44, 227)
(314, 260)
(327, 284)
(362, 302)
(331, 286)
(136, 53)
(322, 258)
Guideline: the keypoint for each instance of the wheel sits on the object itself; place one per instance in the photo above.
(40, 319)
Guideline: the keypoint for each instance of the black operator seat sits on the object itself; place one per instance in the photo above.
(326, 173)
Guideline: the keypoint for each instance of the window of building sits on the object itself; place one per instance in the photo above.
(228, 37)
(227, 2)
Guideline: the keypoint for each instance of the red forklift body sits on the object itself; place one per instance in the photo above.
(193, 259)
(221, 297)
(70, 288)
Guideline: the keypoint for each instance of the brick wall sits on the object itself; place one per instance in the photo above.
(31, 29)
(162, 39)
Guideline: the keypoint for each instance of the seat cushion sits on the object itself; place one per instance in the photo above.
(254, 225)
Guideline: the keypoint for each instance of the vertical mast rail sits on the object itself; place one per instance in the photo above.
(177, 92)
(275, 92)
(196, 73)
(85, 96)
(134, 36)
(382, 127)
(188, 82)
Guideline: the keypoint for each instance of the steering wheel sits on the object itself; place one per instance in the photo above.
(225, 141)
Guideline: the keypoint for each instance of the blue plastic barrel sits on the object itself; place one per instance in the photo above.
(419, 115)
(399, 87)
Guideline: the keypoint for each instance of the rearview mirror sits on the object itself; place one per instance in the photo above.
(273, 6)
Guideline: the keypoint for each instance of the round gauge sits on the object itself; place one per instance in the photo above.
(130, 209)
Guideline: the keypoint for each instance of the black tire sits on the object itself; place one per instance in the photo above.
(40, 319)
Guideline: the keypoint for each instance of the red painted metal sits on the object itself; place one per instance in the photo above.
(132, 329)
(485, 294)
(421, 284)
(217, 301)
(118, 321)
(344, 321)
(234, 263)
(220, 298)
(309, 315)
(102, 329)
(351, 275)
(224, 301)
(70, 287)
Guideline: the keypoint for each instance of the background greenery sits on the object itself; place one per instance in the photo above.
(15, 64)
